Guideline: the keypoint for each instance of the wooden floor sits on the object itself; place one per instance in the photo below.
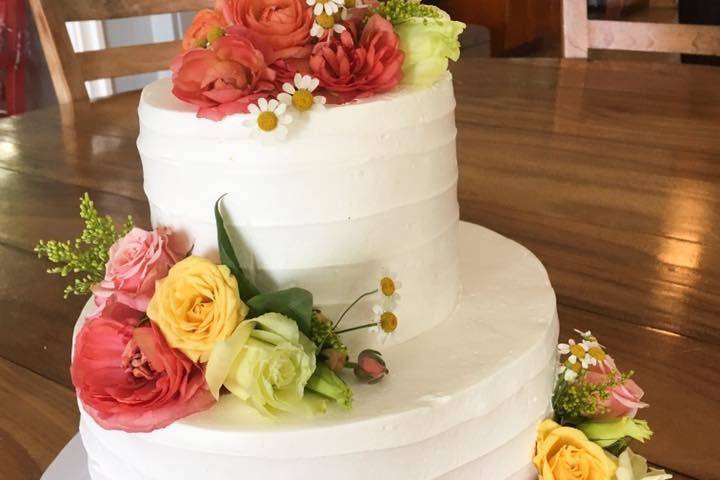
(608, 171)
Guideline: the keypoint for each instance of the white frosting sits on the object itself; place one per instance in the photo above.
(353, 190)
(461, 403)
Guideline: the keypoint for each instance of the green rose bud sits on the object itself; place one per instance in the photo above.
(326, 383)
(266, 362)
(428, 43)
(606, 433)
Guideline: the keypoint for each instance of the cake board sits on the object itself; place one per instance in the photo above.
(462, 401)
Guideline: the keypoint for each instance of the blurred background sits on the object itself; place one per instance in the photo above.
(499, 28)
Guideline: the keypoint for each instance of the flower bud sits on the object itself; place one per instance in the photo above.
(326, 383)
(335, 359)
(370, 367)
(605, 433)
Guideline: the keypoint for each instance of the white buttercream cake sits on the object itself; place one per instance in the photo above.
(354, 189)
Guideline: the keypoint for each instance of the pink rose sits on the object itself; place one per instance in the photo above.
(207, 26)
(127, 376)
(225, 78)
(624, 399)
(356, 69)
(284, 24)
(136, 262)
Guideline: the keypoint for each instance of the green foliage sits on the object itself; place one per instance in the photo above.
(398, 11)
(573, 402)
(228, 258)
(294, 303)
(86, 255)
(323, 335)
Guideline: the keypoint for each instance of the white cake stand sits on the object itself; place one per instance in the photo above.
(70, 464)
(462, 401)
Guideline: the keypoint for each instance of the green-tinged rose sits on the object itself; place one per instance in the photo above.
(606, 433)
(266, 362)
(632, 466)
(325, 382)
(428, 43)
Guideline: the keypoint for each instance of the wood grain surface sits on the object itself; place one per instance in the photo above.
(609, 172)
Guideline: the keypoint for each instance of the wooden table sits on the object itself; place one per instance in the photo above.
(609, 172)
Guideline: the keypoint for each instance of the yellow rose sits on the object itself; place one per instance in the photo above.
(196, 306)
(565, 453)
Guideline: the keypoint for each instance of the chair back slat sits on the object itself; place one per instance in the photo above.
(575, 29)
(654, 37)
(121, 61)
(581, 34)
(69, 69)
(107, 9)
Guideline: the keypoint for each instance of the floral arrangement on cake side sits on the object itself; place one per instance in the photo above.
(172, 332)
(594, 405)
(275, 59)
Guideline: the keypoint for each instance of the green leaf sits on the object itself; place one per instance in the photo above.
(295, 303)
(228, 258)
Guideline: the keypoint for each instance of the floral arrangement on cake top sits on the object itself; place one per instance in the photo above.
(273, 57)
(172, 332)
(594, 406)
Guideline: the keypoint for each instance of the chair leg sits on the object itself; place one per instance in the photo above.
(15, 78)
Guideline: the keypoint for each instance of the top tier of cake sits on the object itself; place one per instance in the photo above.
(353, 190)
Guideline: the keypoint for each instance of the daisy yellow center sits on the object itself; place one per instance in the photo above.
(387, 286)
(577, 350)
(302, 100)
(267, 121)
(597, 353)
(325, 21)
(575, 367)
(388, 322)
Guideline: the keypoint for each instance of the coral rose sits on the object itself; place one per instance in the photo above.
(136, 262)
(624, 400)
(355, 69)
(565, 453)
(207, 26)
(284, 24)
(196, 306)
(127, 376)
(225, 78)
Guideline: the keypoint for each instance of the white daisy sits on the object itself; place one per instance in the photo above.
(578, 352)
(329, 7)
(269, 119)
(300, 94)
(388, 287)
(568, 374)
(326, 23)
(564, 348)
(386, 322)
(586, 335)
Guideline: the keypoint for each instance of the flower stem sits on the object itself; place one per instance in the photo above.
(368, 325)
(366, 294)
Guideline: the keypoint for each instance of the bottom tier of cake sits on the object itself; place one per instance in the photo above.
(461, 402)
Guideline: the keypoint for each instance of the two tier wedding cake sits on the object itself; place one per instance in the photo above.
(308, 304)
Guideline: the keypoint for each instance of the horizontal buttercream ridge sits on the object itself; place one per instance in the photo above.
(450, 188)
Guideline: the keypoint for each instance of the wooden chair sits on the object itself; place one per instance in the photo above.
(12, 55)
(70, 70)
(581, 34)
